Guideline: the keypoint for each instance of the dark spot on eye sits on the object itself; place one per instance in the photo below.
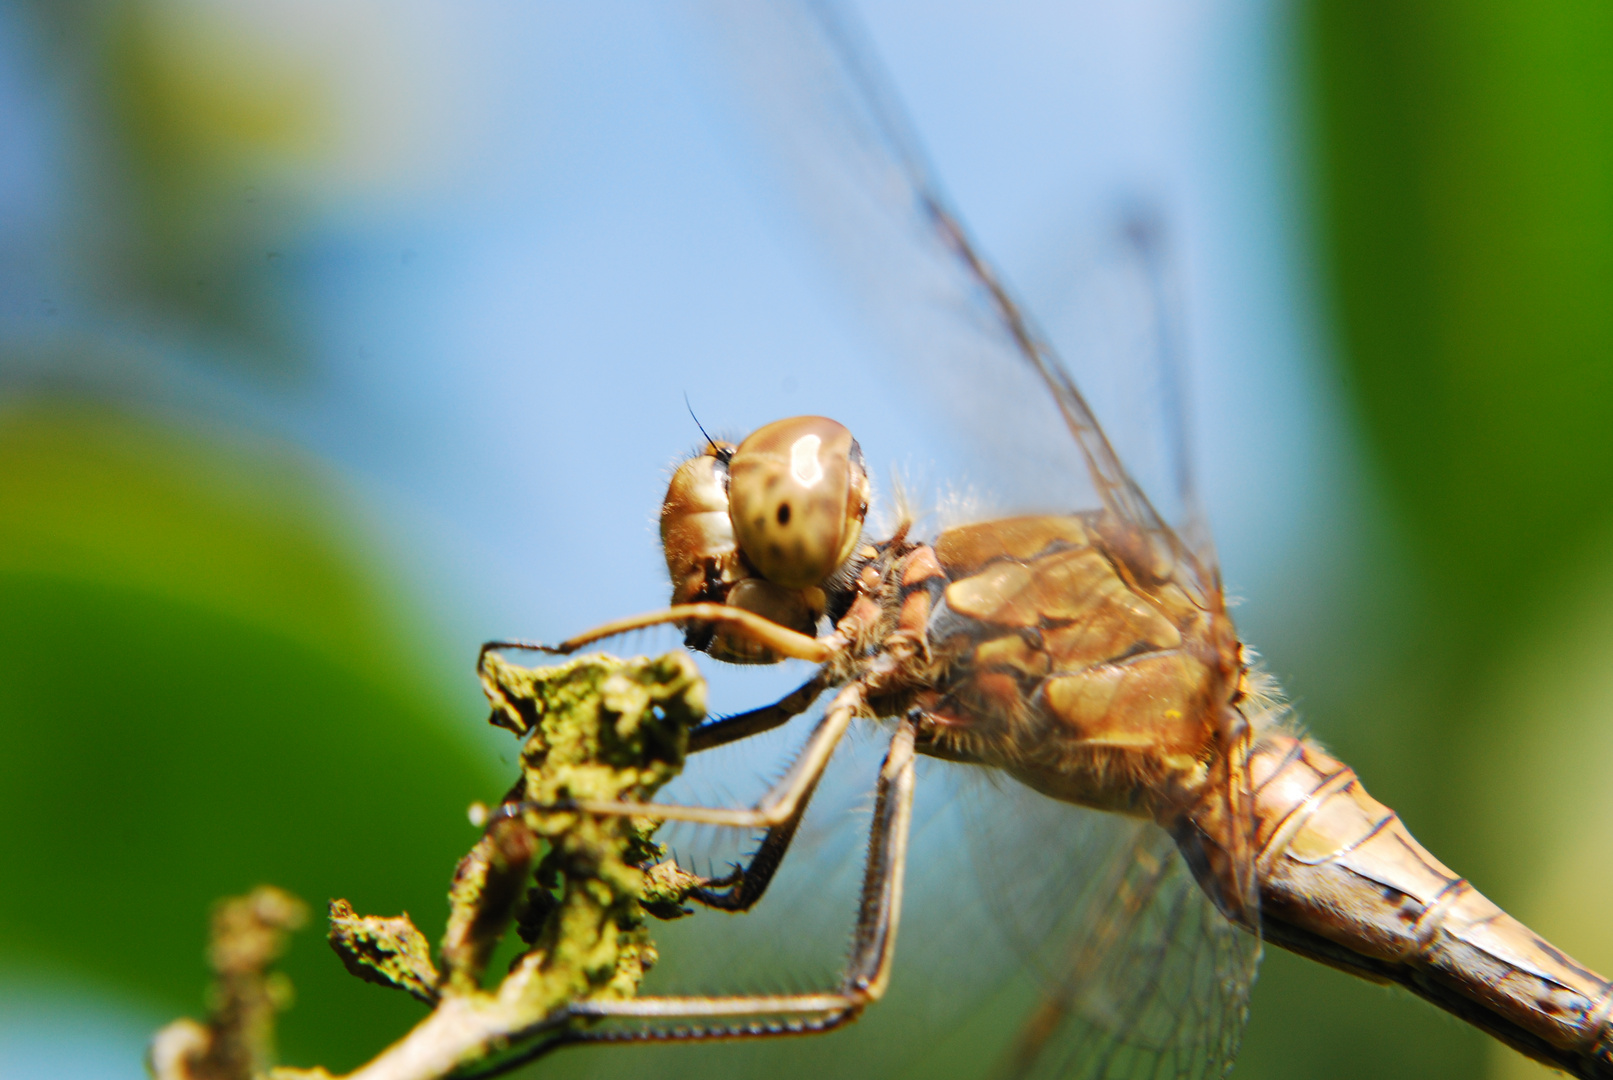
(784, 513)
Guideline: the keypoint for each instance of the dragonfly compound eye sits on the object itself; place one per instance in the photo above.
(798, 494)
(696, 533)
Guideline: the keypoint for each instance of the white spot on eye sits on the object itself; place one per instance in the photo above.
(804, 460)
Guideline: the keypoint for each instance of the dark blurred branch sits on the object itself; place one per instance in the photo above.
(248, 934)
(576, 887)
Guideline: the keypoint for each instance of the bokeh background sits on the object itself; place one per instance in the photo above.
(337, 337)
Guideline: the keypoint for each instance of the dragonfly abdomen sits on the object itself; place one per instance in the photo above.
(1343, 881)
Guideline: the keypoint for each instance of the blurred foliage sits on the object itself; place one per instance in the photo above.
(203, 140)
(212, 125)
(1463, 159)
(203, 688)
(1466, 166)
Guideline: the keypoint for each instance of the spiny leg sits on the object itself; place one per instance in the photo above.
(874, 940)
(713, 733)
(867, 973)
(778, 806)
(742, 888)
(755, 721)
(886, 873)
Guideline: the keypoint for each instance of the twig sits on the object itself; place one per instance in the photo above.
(248, 934)
(575, 886)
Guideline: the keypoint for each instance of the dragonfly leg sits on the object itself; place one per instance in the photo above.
(779, 639)
(743, 888)
(778, 806)
(743, 725)
(866, 977)
(873, 942)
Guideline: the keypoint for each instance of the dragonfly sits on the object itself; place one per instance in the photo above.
(1084, 655)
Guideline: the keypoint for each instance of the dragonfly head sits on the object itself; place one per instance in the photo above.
(770, 525)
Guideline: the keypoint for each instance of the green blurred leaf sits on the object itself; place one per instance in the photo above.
(203, 686)
(1466, 154)
(1464, 168)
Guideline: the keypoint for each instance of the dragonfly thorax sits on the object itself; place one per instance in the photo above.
(1052, 662)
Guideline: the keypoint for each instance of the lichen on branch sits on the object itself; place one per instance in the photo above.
(575, 886)
(385, 951)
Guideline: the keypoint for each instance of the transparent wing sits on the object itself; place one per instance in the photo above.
(1124, 316)
(1104, 939)
(1134, 971)
(965, 345)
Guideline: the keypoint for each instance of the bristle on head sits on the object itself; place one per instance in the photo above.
(887, 512)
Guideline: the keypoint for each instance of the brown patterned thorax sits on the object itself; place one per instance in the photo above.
(1053, 658)
(1050, 661)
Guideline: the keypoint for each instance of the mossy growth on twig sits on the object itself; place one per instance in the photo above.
(576, 886)
(389, 952)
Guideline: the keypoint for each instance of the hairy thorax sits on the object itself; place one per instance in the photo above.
(1051, 657)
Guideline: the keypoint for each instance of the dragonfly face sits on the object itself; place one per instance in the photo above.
(769, 526)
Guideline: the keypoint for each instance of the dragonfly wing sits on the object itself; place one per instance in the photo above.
(1126, 318)
(951, 323)
(1134, 971)
(1130, 967)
